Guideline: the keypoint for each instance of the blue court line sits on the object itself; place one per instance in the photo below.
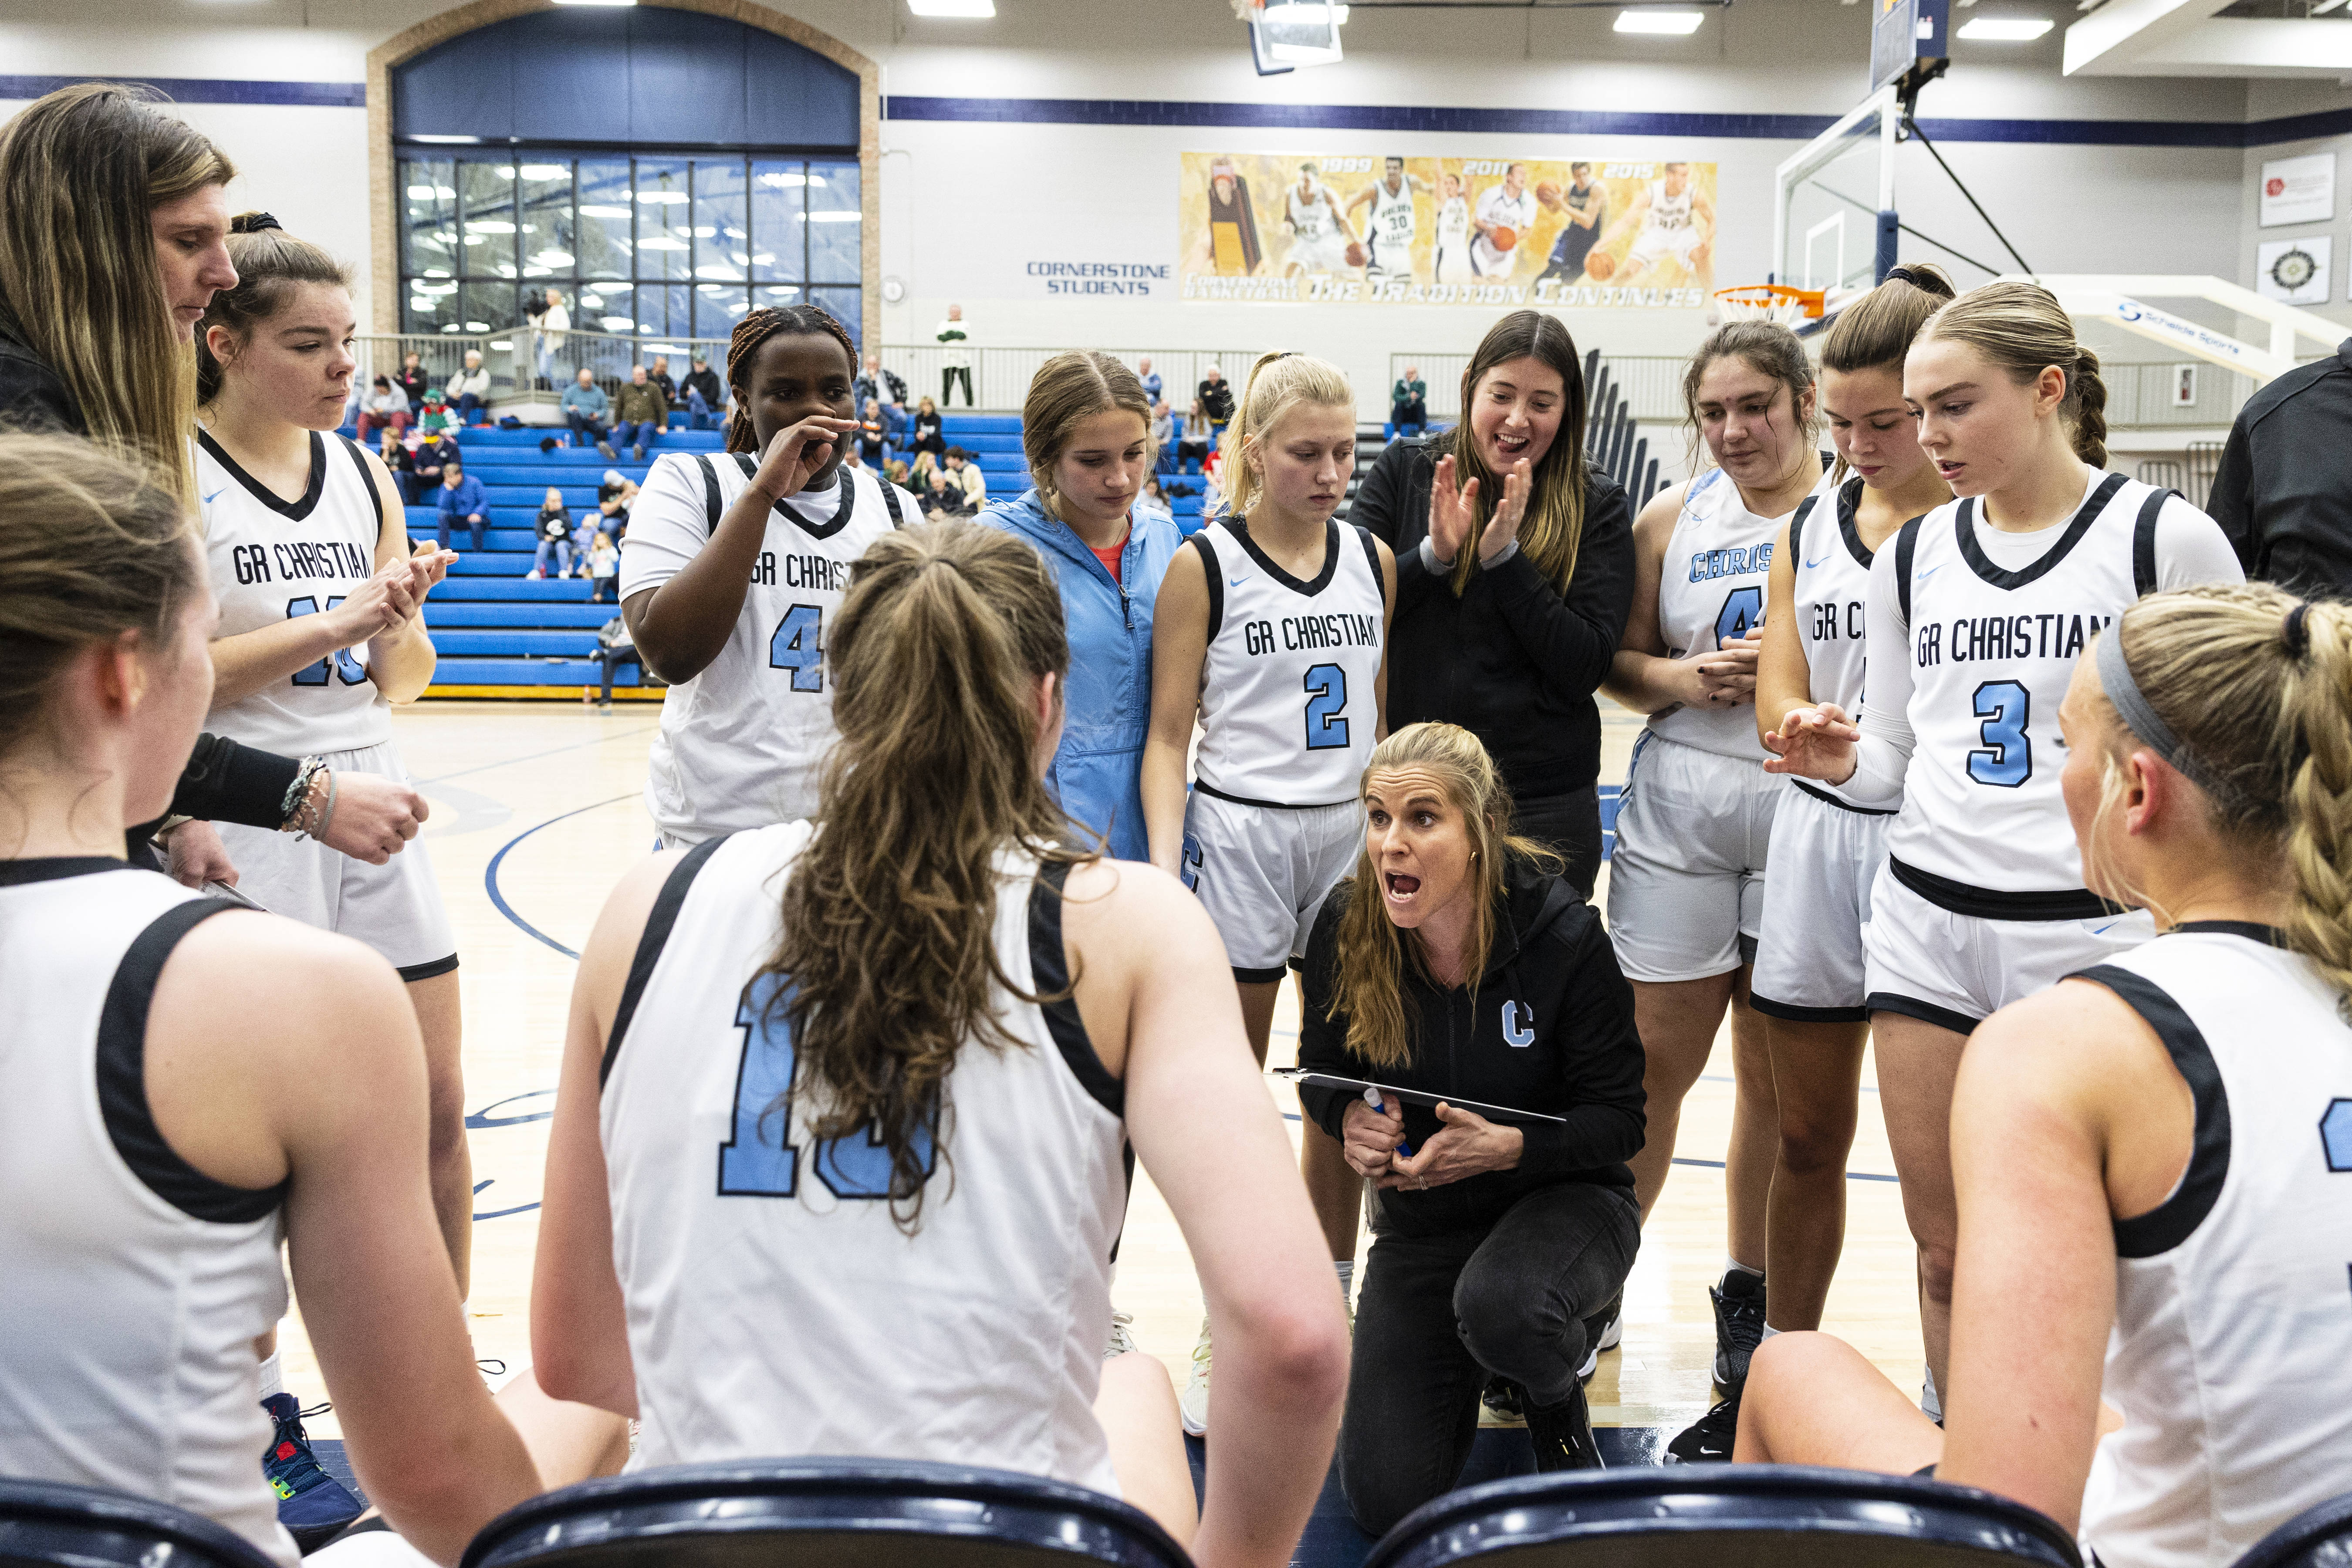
(491, 876)
(509, 762)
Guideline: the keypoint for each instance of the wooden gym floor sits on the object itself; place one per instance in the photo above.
(536, 812)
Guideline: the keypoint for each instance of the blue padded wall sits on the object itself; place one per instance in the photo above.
(640, 76)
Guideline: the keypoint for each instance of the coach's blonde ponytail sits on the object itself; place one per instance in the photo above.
(2022, 328)
(889, 915)
(1277, 383)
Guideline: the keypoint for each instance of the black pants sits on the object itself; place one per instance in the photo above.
(1570, 825)
(612, 659)
(949, 377)
(1438, 1315)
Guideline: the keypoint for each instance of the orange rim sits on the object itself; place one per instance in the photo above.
(1765, 296)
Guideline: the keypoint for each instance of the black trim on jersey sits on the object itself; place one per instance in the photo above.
(1240, 527)
(1964, 529)
(1797, 1014)
(1996, 904)
(57, 867)
(2253, 931)
(1804, 511)
(367, 479)
(295, 510)
(890, 501)
(430, 968)
(2144, 544)
(1925, 1012)
(1372, 560)
(1209, 789)
(1208, 553)
(712, 505)
(122, 1082)
(1824, 796)
(839, 520)
(659, 922)
(1259, 976)
(1849, 510)
(1906, 548)
(2174, 1220)
(1049, 971)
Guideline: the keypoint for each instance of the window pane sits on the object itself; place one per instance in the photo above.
(666, 312)
(488, 307)
(777, 240)
(547, 223)
(844, 304)
(429, 217)
(718, 306)
(833, 223)
(429, 303)
(665, 226)
(606, 214)
(721, 236)
(486, 209)
(777, 295)
(606, 308)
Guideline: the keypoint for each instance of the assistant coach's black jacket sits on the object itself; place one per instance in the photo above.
(1550, 1028)
(1512, 660)
(2282, 491)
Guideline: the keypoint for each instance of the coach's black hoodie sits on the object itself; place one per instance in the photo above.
(1550, 1028)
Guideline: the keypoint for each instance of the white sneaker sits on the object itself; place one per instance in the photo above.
(1193, 1404)
(1122, 1341)
(1610, 1338)
(533, 575)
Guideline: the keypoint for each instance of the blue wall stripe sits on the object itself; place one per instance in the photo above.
(202, 90)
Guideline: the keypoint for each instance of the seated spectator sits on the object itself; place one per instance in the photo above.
(1193, 442)
(434, 418)
(584, 408)
(1163, 436)
(659, 376)
(881, 386)
(554, 533)
(614, 497)
(640, 415)
(900, 475)
(872, 433)
(931, 439)
(402, 464)
(381, 409)
(1216, 395)
(958, 489)
(427, 458)
(471, 388)
(2150, 1155)
(616, 486)
(1409, 403)
(1153, 499)
(603, 569)
(461, 501)
(705, 395)
(412, 381)
(614, 647)
(1150, 379)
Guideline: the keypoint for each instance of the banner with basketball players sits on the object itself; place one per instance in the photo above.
(1299, 228)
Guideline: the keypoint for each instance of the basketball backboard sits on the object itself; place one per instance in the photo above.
(1909, 43)
(1833, 218)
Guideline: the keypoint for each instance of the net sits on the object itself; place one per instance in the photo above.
(1769, 303)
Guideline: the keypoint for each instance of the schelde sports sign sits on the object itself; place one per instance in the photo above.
(1309, 229)
(1099, 279)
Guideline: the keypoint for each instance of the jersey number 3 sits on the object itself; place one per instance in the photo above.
(799, 646)
(2007, 759)
(751, 1163)
(1326, 708)
(354, 672)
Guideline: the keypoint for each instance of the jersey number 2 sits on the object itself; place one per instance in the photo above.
(752, 1165)
(2007, 759)
(799, 646)
(1326, 707)
(354, 672)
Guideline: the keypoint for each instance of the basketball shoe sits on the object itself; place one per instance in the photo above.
(311, 1504)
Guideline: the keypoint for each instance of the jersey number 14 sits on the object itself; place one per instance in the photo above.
(754, 1164)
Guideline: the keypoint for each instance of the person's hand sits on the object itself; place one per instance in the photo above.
(1370, 1137)
(1815, 742)
(1452, 512)
(375, 816)
(195, 855)
(797, 452)
(1468, 1145)
(426, 567)
(379, 606)
(1503, 525)
(1725, 677)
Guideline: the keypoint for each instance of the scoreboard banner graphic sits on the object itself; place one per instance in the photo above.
(1304, 228)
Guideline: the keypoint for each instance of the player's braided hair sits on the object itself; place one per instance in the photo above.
(743, 346)
(2258, 686)
(2024, 329)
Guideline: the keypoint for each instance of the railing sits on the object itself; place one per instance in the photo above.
(513, 358)
(1001, 377)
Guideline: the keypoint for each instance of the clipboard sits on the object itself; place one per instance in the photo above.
(1417, 1097)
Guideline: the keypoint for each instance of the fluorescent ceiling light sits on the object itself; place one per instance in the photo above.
(2005, 29)
(965, 8)
(449, 140)
(1676, 23)
(588, 209)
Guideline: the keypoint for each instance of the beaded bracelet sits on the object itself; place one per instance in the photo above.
(298, 794)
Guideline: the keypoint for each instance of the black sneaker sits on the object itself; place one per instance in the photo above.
(1708, 1440)
(1739, 1325)
(1502, 1397)
(1562, 1433)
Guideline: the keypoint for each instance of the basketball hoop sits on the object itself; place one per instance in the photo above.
(1769, 303)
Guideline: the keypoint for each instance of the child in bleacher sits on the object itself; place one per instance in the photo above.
(554, 530)
(604, 568)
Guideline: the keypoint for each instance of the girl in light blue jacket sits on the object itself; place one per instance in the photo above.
(1085, 430)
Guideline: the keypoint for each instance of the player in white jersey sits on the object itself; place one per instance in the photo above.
(735, 565)
(1452, 262)
(1992, 598)
(2155, 1157)
(1677, 224)
(1271, 632)
(1319, 230)
(1509, 205)
(1694, 819)
(1392, 221)
(1825, 850)
(322, 630)
(790, 1210)
(186, 1087)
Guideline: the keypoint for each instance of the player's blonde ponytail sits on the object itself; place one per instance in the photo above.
(2256, 687)
(889, 914)
(1277, 383)
(2022, 328)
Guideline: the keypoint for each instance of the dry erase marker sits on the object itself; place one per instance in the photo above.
(1373, 1098)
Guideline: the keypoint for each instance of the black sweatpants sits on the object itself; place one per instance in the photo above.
(1570, 825)
(1437, 1315)
(949, 377)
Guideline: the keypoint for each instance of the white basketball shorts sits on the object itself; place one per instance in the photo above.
(1262, 872)
(395, 908)
(1654, 243)
(1686, 881)
(1929, 962)
(1809, 960)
